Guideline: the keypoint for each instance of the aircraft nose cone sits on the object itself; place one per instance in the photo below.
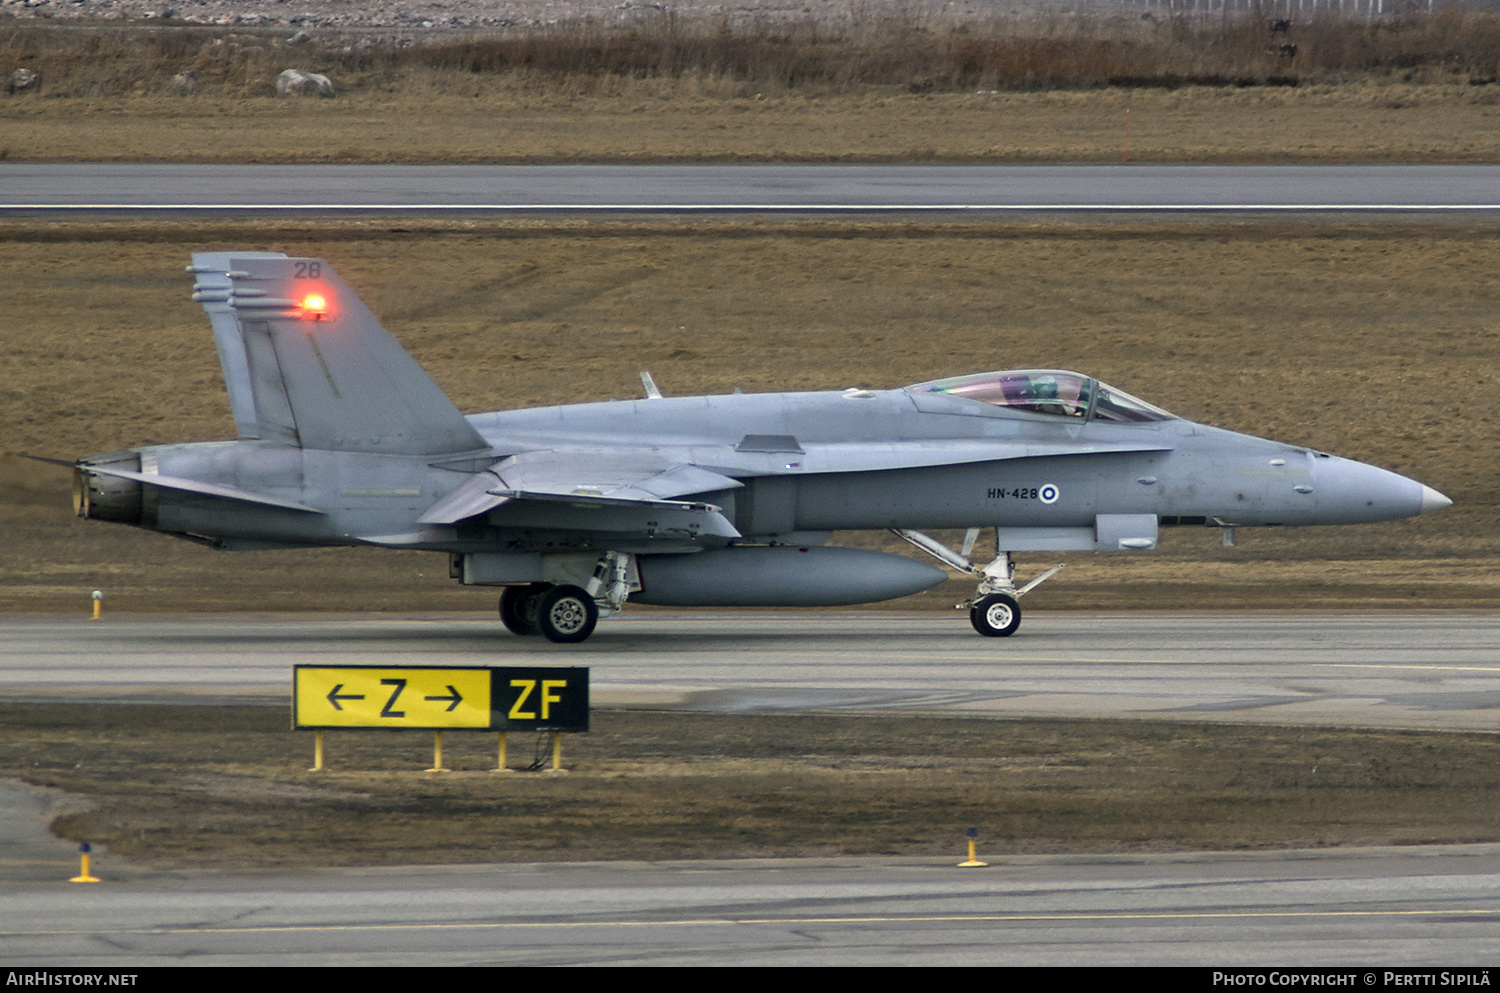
(1349, 492)
(1433, 500)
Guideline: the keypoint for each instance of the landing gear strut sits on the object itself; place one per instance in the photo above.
(995, 607)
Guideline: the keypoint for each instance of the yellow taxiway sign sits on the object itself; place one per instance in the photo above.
(406, 697)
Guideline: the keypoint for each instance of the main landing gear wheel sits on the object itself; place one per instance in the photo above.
(566, 614)
(518, 608)
(996, 616)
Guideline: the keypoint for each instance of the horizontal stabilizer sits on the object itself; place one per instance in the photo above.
(478, 495)
(204, 489)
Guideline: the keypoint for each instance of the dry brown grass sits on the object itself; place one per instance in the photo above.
(1374, 341)
(656, 785)
(688, 121)
(106, 58)
(1405, 91)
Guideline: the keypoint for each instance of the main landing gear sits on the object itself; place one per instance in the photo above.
(518, 608)
(995, 607)
(565, 613)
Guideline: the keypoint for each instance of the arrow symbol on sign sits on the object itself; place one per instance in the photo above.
(454, 697)
(334, 697)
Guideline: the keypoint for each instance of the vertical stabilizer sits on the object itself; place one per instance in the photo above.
(321, 371)
(211, 289)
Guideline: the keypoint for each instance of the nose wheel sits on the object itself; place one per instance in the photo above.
(996, 615)
(995, 608)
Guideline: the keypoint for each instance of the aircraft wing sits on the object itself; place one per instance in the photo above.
(619, 486)
(620, 475)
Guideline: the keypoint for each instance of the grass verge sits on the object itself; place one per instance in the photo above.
(1374, 341)
(227, 788)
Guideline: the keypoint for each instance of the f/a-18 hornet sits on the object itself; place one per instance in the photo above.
(689, 501)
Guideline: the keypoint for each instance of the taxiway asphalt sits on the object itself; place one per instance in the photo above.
(1406, 907)
(1434, 669)
(51, 189)
(1367, 907)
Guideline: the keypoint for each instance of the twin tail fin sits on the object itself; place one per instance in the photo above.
(307, 364)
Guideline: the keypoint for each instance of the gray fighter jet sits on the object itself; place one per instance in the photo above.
(690, 501)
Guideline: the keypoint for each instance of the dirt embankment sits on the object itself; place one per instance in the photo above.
(646, 85)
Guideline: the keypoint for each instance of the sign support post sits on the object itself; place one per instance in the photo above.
(500, 767)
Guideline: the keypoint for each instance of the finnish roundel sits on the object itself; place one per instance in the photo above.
(1048, 493)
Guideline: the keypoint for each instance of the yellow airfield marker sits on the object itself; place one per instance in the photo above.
(437, 752)
(973, 861)
(83, 868)
(500, 763)
(98, 603)
(557, 769)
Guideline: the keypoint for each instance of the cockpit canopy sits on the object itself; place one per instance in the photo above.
(1048, 391)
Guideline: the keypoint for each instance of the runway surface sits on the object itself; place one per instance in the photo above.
(1421, 670)
(237, 189)
(1363, 907)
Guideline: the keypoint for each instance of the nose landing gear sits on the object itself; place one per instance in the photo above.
(995, 607)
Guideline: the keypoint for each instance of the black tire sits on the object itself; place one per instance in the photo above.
(518, 608)
(996, 616)
(566, 615)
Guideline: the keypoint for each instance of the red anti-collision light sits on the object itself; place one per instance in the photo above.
(315, 305)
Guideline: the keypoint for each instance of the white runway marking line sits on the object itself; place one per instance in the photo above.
(897, 660)
(721, 921)
(790, 208)
(1399, 665)
(839, 656)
